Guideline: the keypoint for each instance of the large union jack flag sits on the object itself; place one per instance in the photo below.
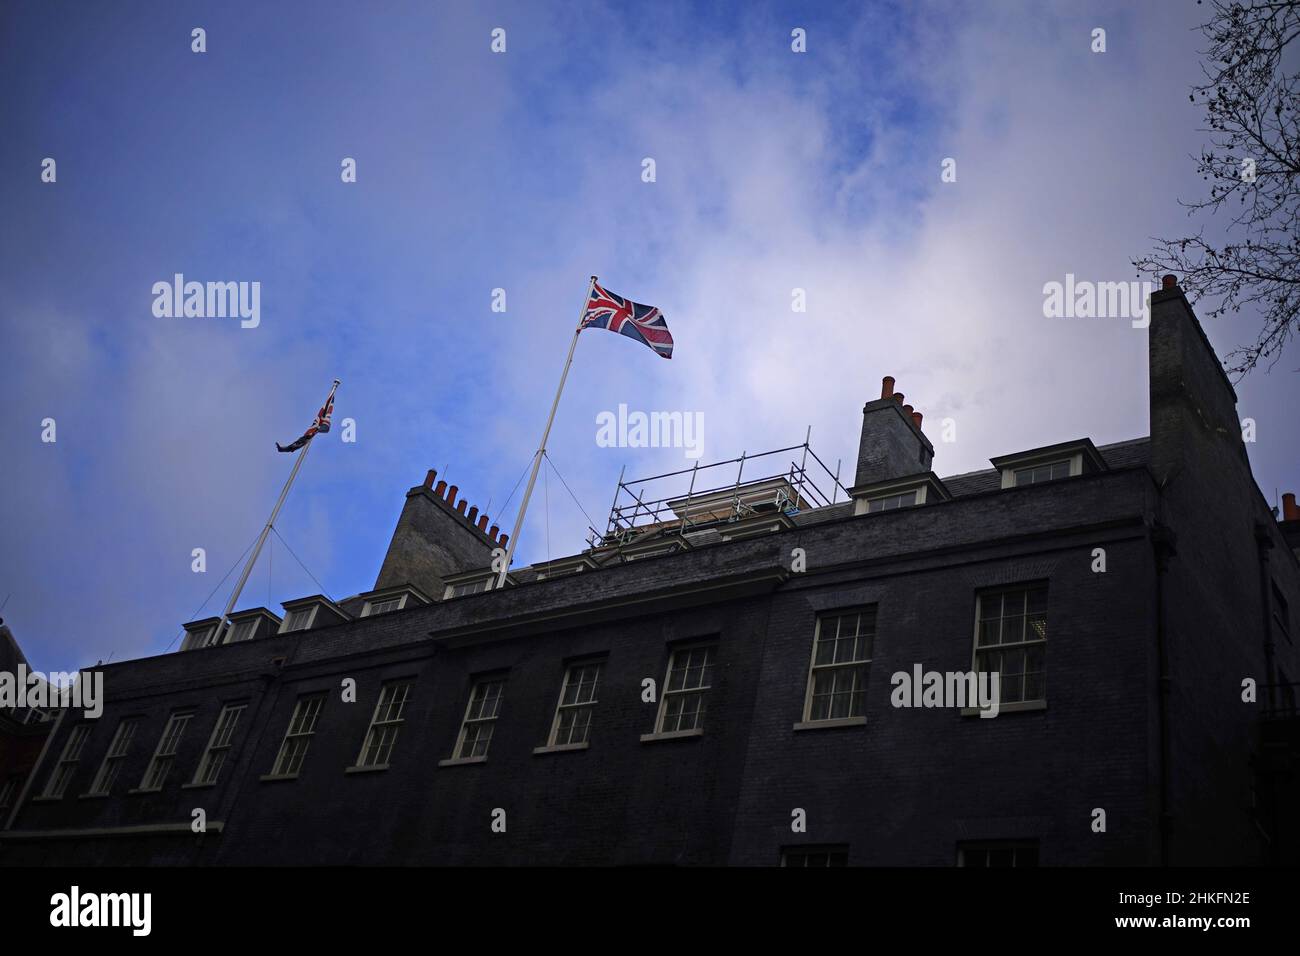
(321, 424)
(645, 323)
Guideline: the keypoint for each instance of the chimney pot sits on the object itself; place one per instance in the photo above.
(473, 514)
(482, 523)
(887, 386)
(1169, 282)
(451, 494)
(907, 410)
(503, 539)
(460, 505)
(916, 419)
(496, 529)
(441, 490)
(898, 397)
(428, 479)
(1290, 512)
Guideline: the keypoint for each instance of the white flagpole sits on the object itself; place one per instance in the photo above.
(537, 456)
(270, 522)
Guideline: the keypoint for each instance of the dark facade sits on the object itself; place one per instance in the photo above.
(23, 731)
(1137, 712)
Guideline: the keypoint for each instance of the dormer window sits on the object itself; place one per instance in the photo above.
(891, 502)
(471, 582)
(317, 611)
(388, 599)
(1053, 463)
(1037, 474)
(910, 492)
(298, 620)
(468, 587)
(242, 631)
(199, 634)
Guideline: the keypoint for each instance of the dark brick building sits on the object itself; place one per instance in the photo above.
(23, 730)
(516, 725)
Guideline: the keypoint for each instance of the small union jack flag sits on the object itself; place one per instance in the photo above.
(321, 424)
(645, 323)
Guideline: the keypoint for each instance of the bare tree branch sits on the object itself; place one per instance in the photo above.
(1252, 165)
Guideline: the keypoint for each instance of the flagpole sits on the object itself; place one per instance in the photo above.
(537, 456)
(261, 539)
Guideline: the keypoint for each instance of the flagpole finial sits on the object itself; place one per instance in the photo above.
(337, 382)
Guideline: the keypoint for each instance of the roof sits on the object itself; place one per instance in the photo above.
(1124, 454)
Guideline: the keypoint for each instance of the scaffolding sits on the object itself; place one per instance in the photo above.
(693, 499)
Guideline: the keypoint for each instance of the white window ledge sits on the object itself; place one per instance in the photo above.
(1020, 705)
(270, 777)
(833, 722)
(672, 735)
(370, 769)
(459, 761)
(560, 748)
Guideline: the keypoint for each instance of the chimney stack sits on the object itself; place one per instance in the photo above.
(434, 539)
(1290, 512)
(892, 444)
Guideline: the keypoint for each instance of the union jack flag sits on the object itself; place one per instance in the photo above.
(321, 424)
(645, 323)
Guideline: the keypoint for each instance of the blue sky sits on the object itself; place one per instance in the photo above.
(522, 171)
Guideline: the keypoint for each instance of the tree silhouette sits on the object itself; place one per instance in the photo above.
(1251, 97)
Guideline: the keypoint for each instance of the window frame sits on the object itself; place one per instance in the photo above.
(807, 720)
(181, 718)
(213, 747)
(232, 633)
(119, 749)
(1281, 611)
(709, 646)
(916, 494)
(278, 771)
(1005, 705)
(831, 850)
(552, 740)
(371, 606)
(9, 791)
(387, 691)
(310, 610)
(1073, 460)
(988, 846)
(477, 585)
(457, 752)
(69, 757)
